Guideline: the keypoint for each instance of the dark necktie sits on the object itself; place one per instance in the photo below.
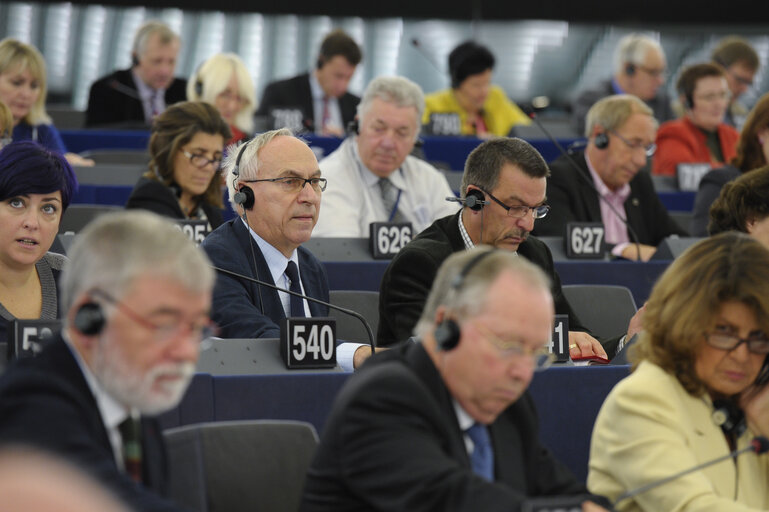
(297, 304)
(390, 200)
(482, 458)
(130, 431)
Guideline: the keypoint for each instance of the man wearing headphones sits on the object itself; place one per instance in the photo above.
(319, 101)
(136, 295)
(639, 69)
(741, 62)
(503, 191)
(133, 97)
(445, 423)
(372, 174)
(605, 183)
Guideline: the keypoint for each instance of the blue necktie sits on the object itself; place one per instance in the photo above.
(297, 304)
(482, 458)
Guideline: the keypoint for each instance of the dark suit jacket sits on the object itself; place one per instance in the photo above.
(409, 277)
(392, 442)
(709, 190)
(149, 194)
(246, 310)
(114, 100)
(46, 402)
(573, 199)
(295, 93)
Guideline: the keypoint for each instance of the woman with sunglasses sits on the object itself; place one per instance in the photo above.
(186, 146)
(697, 390)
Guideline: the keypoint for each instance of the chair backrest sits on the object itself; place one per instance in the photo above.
(238, 466)
(604, 309)
(118, 156)
(366, 303)
(78, 216)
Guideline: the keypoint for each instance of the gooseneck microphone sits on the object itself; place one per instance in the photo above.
(585, 179)
(418, 46)
(307, 297)
(757, 445)
(124, 89)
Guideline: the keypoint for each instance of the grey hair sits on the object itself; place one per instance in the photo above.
(633, 49)
(149, 28)
(117, 248)
(485, 162)
(393, 89)
(248, 167)
(611, 112)
(464, 292)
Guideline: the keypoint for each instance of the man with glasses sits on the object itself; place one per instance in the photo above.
(136, 296)
(639, 69)
(741, 62)
(374, 178)
(605, 183)
(445, 422)
(510, 177)
(275, 184)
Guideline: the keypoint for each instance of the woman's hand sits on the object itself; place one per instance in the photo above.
(755, 402)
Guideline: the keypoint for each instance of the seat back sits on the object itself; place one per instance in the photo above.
(604, 309)
(238, 466)
(366, 303)
(78, 216)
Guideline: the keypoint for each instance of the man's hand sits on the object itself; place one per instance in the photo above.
(582, 344)
(362, 353)
(631, 252)
(636, 323)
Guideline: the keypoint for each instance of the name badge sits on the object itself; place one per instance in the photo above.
(196, 229)
(308, 342)
(445, 124)
(554, 504)
(689, 176)
(584, 240)
(27, 338)
(387, 238)
(559, 339)
(291, 118)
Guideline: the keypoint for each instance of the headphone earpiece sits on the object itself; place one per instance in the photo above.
(688, 101)
(90, 319)
(601, 140)
(199, 88)
(630, 69)
(728, 416)
(447, 334)
(475, 200)
(244, 197)
(353, 127)
(134, 59)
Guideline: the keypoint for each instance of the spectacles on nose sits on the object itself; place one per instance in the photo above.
(291, 184)
(201, 161)
(540, 357)
(756, 344)
(653, 72)
(648, 149)
(520, 211)
(163, 332)
(715, 96)
(747, 82)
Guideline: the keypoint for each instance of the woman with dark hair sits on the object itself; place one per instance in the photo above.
(698, 388)
(183, 182)
(743, 206)
(36, 186)
(752, 153)
(472, 106)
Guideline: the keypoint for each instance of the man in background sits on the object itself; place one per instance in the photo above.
(133, 97)
(741, 62)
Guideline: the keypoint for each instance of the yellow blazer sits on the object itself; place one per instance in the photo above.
(499, 113)
(648, 428)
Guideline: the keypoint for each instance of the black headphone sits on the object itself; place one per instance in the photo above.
(475, 200)
(688, 101)
(728, 415)
(244, 196)
(134, 59)
(601, 140)
(90, 319)
(353, 127)
(448, 331)
(630, 69)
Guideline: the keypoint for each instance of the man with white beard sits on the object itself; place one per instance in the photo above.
(135, 296)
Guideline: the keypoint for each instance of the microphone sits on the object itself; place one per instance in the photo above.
(418, 46)
(533, 116)
(471, 201)
(307, 297)
(124, 89)
(757, 445)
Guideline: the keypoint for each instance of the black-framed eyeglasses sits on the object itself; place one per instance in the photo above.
(747, 82)
(757, 344)
(201, 161)
(520, 211)
(647, 149)
(295, 184)
(540, 357)
(202, 330)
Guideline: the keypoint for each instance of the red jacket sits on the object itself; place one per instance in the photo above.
(680, 141)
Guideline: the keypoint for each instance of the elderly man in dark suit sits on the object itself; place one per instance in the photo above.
(133, 97)
(445, 423)
(318, 101)
(622, 132)
(503, 189)
(137, 295)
